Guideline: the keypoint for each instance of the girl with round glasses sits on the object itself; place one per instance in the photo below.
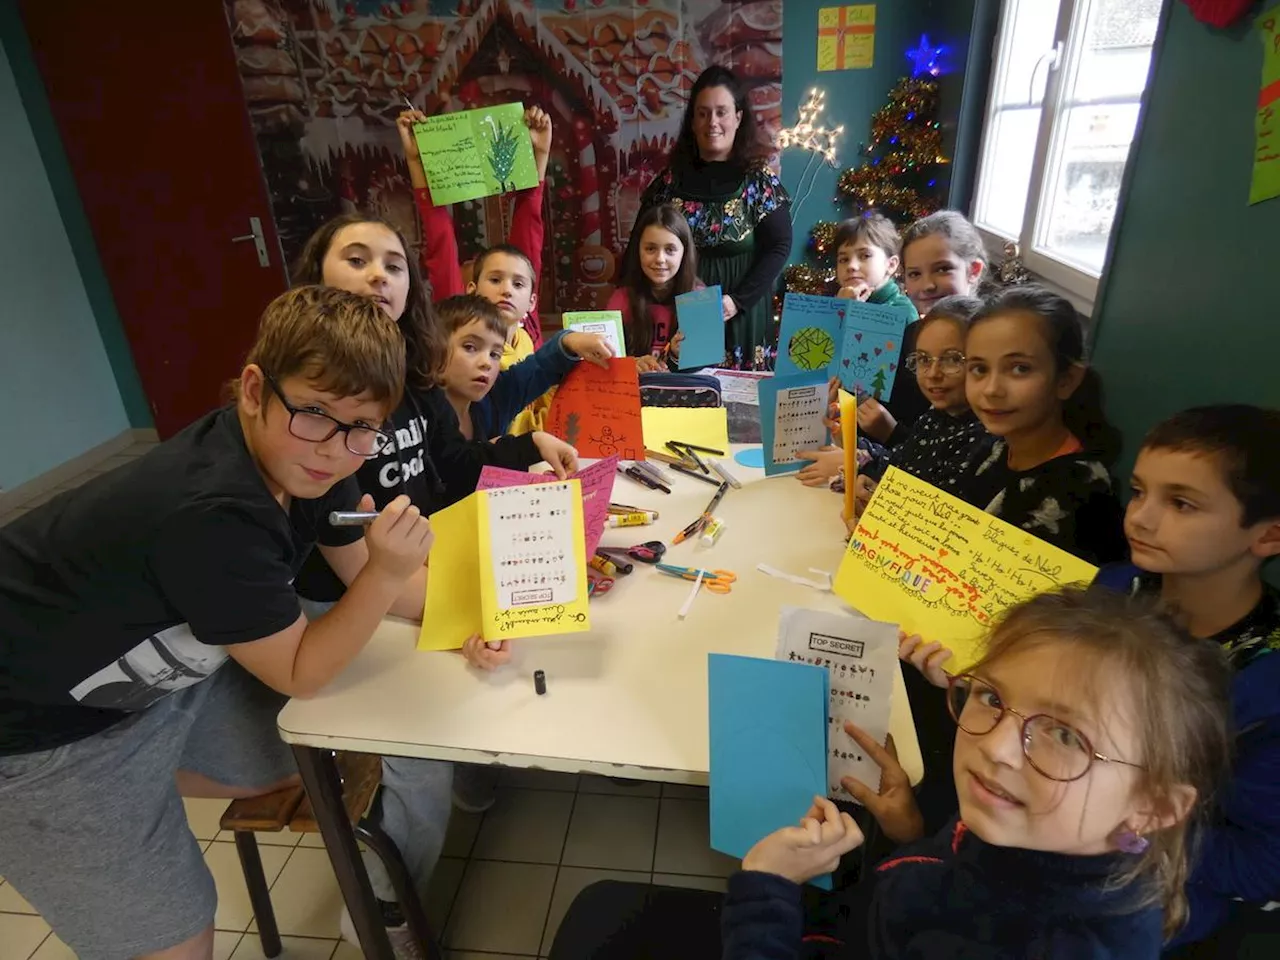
(1087, 737)
(943, 436)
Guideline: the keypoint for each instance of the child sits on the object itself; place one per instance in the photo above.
(510, 279)
(1204, 516)
(122, 601)
(484, 399)
(661, 263)
(942, 256)
(1044, 466)
(1087, 735)
(945, 435)
(867, 249)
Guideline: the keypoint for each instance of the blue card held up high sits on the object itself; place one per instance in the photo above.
(700, 316)
(768, 748)
(871, 348)
(809, 338)
(791, 419)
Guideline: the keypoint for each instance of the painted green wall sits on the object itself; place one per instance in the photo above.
(1186, 315)
(34, 104)
(853, 95)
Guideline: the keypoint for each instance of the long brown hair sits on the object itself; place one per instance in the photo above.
(423, 342)
(640, 288)
(748, 149)
(1179, 691)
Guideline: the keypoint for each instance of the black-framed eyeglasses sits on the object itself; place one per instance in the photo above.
(949, 362)
(317, 427)
(1054, 749)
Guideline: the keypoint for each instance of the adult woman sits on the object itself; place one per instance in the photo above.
(737, 209)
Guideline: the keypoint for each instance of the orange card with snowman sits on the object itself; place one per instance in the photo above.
(597, 411)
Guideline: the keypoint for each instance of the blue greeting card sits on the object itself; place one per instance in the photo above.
(792, 409)
(768, 748)
(871, 348)
(809, 338)
(700, 317)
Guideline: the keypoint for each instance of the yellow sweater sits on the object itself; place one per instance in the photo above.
(534, 416)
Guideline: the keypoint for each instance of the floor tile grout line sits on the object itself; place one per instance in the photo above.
(555, 882)
(41, 943)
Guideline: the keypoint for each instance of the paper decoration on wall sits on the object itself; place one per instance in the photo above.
(809, 335)
(860, 657)
(768, 748)
(941, 568)
(598, 410)
(476, 153)
(597, 487)
(604, 323)
(792, 409)
(1266, 155)
(846, 37)
(871, 347)
(700, 315)
(507, 563)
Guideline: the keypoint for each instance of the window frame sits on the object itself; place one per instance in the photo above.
(1078, 284)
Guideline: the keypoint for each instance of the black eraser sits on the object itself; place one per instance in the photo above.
(539, 682)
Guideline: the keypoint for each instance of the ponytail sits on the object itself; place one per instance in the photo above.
(1082, 412)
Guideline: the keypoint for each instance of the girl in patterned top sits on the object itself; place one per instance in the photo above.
(736, 207)
(944, 435)
(1044, 466)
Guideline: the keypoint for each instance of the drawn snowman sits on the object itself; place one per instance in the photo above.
(607, 442)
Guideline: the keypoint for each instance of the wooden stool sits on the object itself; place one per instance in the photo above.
(361, 774)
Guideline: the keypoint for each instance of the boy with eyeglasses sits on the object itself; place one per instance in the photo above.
(121, 603)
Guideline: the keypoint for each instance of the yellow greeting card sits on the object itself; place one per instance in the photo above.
(849, 443)
(507, 563)
(941, 568)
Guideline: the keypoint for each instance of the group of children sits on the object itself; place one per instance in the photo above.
(373, 385)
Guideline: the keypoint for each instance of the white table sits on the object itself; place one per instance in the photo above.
(629, 698)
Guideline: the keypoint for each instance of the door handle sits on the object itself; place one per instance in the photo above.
(259, 242)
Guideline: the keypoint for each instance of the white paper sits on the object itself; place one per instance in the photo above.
(535, 562)
(607, 331)
(860, 657)
(798, 421)
(740, 386)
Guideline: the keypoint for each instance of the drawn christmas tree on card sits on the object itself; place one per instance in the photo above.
(572, 429)
(877, 383)
(503, 141)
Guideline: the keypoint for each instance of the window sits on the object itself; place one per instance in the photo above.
(1066, 90)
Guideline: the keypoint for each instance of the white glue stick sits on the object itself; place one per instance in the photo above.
(711, 532)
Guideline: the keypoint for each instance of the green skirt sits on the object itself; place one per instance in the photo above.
(749, 329)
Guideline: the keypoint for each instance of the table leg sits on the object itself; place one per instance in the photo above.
(324, 788)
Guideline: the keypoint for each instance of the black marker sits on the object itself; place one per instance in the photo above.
(539, 682)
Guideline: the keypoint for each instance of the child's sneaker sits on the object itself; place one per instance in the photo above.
(475, 788)
(403, 943)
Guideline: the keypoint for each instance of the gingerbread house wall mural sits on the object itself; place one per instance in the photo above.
(324, 81)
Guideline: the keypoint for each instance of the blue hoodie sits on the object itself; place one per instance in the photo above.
(955, 896)
(1239, 849)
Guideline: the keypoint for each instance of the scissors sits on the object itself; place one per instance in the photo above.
(651, 551)
(599, 586)
(717, 581)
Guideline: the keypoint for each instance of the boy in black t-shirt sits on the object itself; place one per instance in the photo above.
(122, 601)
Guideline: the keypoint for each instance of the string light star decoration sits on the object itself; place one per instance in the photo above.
(818, 141)
(807, 134)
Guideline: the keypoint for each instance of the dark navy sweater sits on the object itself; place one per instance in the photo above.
(955, 896)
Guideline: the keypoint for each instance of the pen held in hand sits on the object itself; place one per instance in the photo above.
(352, 518)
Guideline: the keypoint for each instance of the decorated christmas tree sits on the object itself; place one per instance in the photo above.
(898, 175)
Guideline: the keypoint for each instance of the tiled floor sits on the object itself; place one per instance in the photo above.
(105, 466)
(548, 836)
